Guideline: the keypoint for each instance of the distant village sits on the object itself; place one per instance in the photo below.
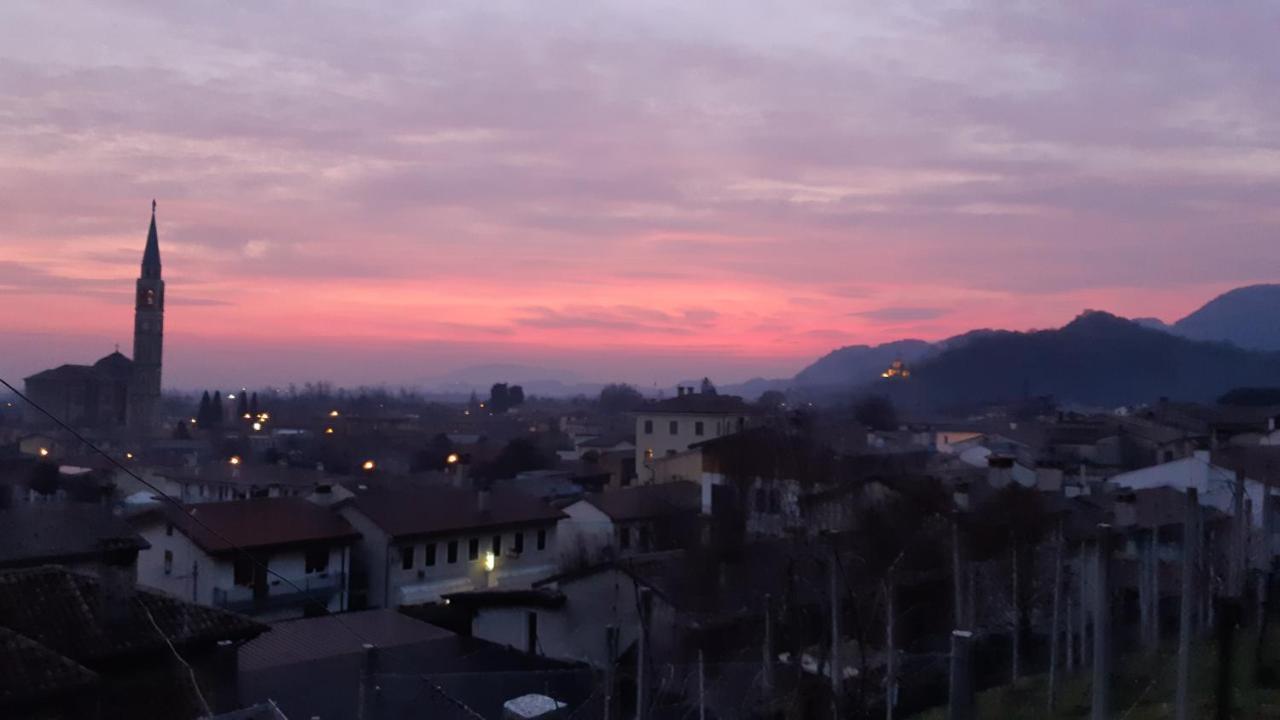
(312, 552)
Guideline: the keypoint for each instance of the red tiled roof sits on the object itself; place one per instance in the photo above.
(258, 523)
(430, 511)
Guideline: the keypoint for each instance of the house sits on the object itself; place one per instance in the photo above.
(271, 558)
(1215, 483)
(74, 536)
(418, 544)
(667, 427)
(77, 646)
(232, 480)
(632, 520)
(314, 667)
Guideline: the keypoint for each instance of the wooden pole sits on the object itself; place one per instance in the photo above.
(1187, 605)
(1055, 630)
(836, 667)
(960, 697)
(1016, 634)
(891, 652)
(1101, 706)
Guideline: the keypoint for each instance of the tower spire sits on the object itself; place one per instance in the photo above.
(151, 256)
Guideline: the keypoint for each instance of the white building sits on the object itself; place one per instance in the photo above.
(618, 523)
(1214, 483)
(669, 427)
(418, 545)
(271, 558)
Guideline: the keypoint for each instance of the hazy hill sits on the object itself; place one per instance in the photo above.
(1247, 316)
(1097, 359)
(857, 364)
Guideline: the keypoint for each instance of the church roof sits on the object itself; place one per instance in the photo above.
(151, 256)
(68, 373)
(115, 364)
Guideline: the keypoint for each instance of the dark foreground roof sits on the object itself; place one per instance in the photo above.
(429, 511)
(30, 671)
(60, 610)
(296, 641)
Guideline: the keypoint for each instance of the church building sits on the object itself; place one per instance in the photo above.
(115, 392)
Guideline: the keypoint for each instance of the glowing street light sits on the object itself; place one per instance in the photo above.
(452, 459)
(257, 426)
(232, 396)
(247, 416)
(235, 460)
(490, 561)
(128, 456)
(333, 413)
(328, 431)
(368, 466)
(44, 452)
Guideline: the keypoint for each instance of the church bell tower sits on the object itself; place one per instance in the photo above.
(148, 338)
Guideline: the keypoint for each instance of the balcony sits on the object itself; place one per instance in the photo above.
(318, 588)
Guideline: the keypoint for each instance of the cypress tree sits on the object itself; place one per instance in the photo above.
(202, 415)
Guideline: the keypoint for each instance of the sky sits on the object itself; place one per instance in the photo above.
(647, 191)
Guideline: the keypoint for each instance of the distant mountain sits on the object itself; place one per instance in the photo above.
(1248, 317)
(1097, 359)
(857, 364)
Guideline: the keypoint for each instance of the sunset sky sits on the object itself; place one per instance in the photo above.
(634, 190)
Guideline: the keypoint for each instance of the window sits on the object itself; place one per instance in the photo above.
(244, 571)
(318, 560)
(648, 427)
(698, 428)
(762, 500)
(542, 539)
(624, 538)
(517, 542)
(644, 538)
(430, 555)
(169, 530)
(497, 545)
(675, 427)
(473, 549)
(775, 501)
(168, 562)
(453, 551)
(406, 557)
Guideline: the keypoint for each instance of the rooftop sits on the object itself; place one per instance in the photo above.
(698, 404)
(257, 523)
(295, 641)
(648, 501)
(437, 510)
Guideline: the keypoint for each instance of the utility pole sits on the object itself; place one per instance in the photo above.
(641, 643)
(891, 658)
(702, 687)
(1054, 625)
(1016, 628)
(837, 669)
(768, 647)
(960, 696)
(1101, 706)
(1187, 605)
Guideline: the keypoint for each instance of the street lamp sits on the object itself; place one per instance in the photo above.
(368, 466)
(490, 561)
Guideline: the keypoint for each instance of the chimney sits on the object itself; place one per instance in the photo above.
(1126, 509)
(999, 471)
(117, 581)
